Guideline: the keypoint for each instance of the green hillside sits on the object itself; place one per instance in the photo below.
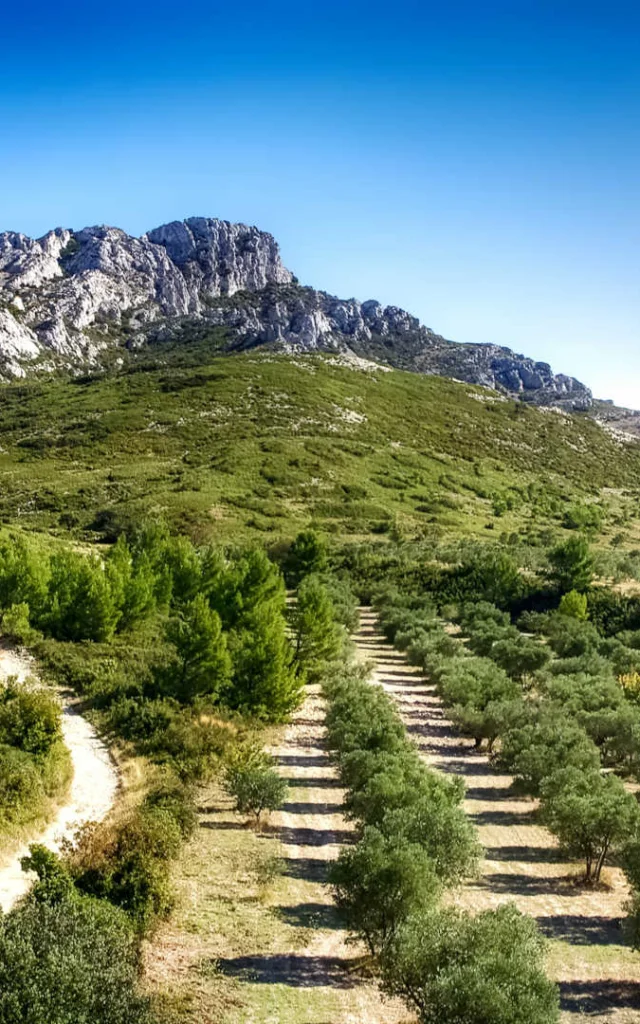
(259, 443)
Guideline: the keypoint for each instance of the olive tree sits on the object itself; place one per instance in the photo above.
(591, 814)
(548, 742)
(451, 967)
(378, 882)
(254, 783)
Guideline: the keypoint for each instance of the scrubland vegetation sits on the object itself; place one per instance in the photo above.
(260, 445)
(34, 763)
(483, 535)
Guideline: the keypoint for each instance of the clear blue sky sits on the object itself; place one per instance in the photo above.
(475, 162)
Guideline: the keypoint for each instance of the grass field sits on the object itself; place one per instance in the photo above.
(257, 444)
(255, 936)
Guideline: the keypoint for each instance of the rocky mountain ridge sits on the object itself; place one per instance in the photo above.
(70, 298)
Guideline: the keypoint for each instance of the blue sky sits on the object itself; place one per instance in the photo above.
(475, 162)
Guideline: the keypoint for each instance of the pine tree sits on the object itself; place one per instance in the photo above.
(319, 639)
(265, 683)
(203, 665)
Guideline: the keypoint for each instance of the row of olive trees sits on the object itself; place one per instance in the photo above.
(576, 722)
(553, 724)
(414, 841)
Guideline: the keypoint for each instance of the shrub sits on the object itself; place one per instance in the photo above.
(69, 961)
(30, 718)
(55, 883)
(574, 605)
(255, 784)
(16, 624)
(379, 882)
(450, 967)
(21, 786)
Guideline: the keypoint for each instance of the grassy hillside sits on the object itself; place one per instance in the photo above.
(226, 446)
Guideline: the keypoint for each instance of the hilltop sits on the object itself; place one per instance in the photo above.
(79, 299)
(260, 444)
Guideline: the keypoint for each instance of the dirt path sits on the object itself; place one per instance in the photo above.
(249, 952)
(311, 828)
(93, 787)
(599, 975)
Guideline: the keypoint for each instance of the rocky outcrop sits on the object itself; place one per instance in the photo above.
(296, 319)
(70, 297)
(79, 291)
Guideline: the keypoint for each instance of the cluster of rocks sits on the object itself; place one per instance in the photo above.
(71, 296)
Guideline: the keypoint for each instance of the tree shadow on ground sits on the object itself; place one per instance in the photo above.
(580, 930)
(311, 808)
(297, 971)
(303, 760)
(227, 826)
(310, 915)
(427, 728)
(529, 885)
(311, 836)
(489, 794)
(308, 869)
(317, 782)
(463, 765)
(593, 998)
(525, 854)
(503, 817)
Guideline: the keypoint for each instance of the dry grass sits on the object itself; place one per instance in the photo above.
(255, 936)
(599, 975)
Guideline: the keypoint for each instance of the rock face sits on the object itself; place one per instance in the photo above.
(71, 298)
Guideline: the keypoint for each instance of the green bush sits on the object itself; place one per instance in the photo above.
(450, 967)
(574, 605)
(69, 961)
(30, 717)
(16, 625)
(379, 882)
(21, 786)
(255, 784)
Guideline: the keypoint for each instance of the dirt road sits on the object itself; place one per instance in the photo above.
(249, 948)
(93, 787)
(599, 975)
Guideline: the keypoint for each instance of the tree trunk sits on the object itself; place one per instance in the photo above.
(600, 862)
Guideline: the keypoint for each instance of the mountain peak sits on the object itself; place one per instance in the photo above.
(71, 296)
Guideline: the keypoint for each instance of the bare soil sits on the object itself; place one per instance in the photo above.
(274, 952)
(598, 974)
